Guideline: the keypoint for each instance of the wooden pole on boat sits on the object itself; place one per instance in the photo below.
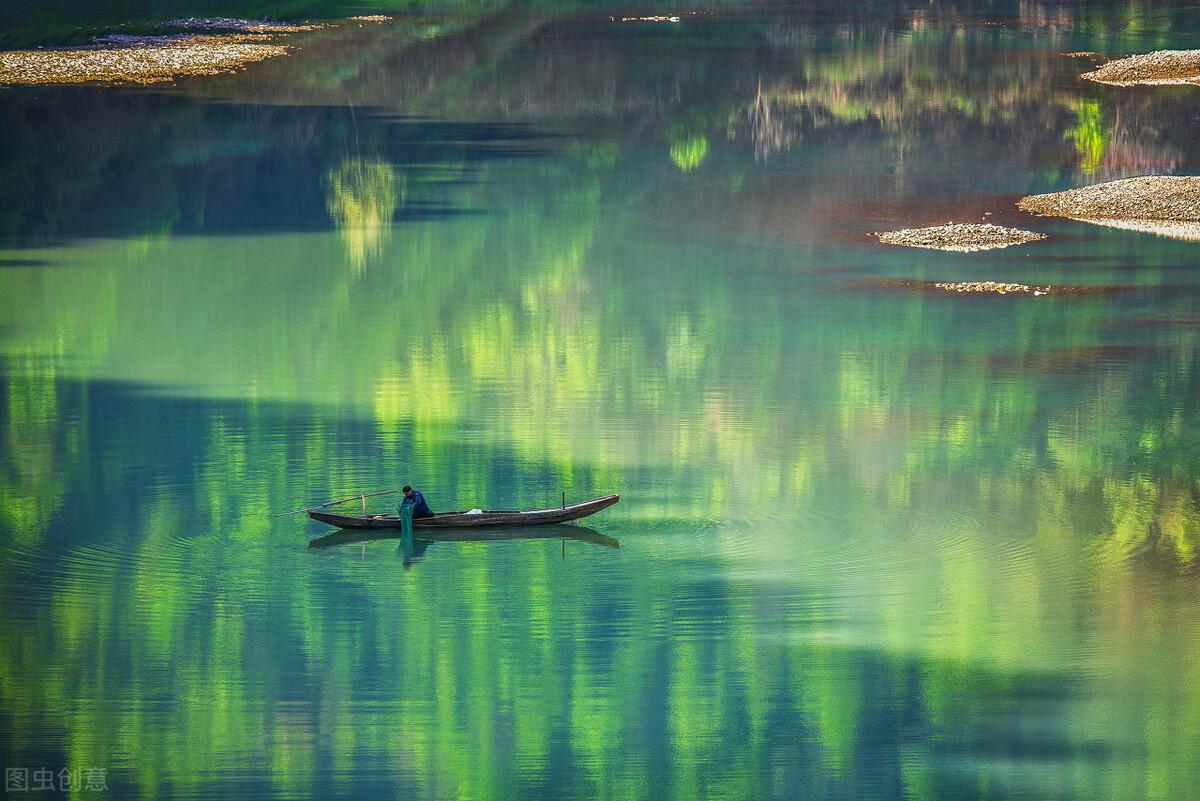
(335, 503)
(364, 500)
(564, 500)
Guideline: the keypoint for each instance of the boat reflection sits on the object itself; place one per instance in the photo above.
(423, 539)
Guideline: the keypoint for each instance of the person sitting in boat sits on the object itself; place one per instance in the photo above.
(415, 499)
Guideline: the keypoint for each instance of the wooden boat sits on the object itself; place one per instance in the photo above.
(488, 518)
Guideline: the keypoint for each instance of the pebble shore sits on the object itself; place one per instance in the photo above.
(1160, 68)
(997, 288)
(138, 60)
(959, 237)
(191, 46)
(1150, 197)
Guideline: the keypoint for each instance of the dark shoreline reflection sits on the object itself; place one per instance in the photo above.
(161, 164)
(733, 95)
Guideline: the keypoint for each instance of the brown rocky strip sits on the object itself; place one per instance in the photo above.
(959, 237)
(191, 46)
(1151, 197)
(137, 60)
(1166, 205)
(990, 288)
(1162, 67)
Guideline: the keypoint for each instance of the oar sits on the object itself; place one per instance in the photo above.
(335, 503)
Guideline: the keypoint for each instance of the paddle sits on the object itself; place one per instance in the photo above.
(335, 503)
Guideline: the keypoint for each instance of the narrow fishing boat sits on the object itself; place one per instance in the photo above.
(475, 518)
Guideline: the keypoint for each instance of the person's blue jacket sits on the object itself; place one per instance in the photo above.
(420, 508)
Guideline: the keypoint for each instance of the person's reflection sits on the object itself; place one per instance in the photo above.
(411, 549)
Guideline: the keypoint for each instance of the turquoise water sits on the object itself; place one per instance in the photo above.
(873, 542)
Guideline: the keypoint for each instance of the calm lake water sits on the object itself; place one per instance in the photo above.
(874, 542)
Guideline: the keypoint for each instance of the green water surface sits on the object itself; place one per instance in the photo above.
(875, 542)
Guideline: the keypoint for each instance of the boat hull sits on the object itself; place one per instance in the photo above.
(484, 519)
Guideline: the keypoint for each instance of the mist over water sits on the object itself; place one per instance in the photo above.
(874, 542)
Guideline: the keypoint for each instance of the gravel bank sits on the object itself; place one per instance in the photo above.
(995, 287)
(190, 46)
(974, 288)
(1163, 67)
(960, 237)
(1151, 197)
(1166, 205)
(137, 60)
